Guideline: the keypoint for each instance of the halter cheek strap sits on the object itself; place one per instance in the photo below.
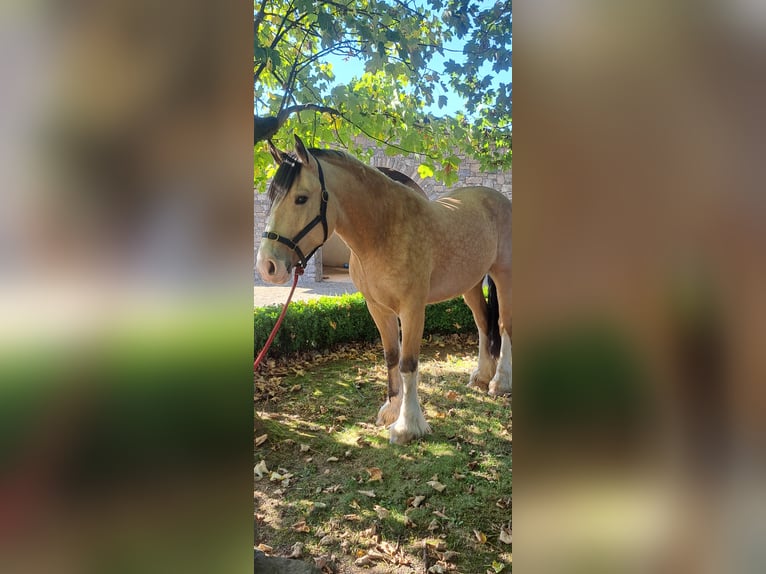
(321, 218)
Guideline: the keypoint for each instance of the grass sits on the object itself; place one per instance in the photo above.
(324, 409)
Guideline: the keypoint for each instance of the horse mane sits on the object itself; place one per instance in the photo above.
(290, 167)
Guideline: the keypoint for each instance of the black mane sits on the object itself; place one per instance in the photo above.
(290, 167)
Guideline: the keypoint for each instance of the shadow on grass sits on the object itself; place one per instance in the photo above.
(347, 489)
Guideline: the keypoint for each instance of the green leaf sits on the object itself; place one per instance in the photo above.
(425, 170)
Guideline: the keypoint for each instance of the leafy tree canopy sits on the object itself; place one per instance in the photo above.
(408, 64)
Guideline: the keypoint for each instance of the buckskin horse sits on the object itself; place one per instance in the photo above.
(407, 252)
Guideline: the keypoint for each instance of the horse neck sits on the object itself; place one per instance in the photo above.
(367, 205)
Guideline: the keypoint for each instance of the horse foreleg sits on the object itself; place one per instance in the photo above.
(487, 364)
(388, 326)
(411, 422)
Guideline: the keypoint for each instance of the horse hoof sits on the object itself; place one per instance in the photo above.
(477, 382)
(388, 414)
(400, 434)
(500, 386)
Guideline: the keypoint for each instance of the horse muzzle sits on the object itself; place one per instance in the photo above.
(272, 269)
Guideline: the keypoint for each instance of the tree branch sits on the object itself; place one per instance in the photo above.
(267, 127)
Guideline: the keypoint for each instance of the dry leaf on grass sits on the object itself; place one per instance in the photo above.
(369, 493)
(436, 485)
(480, 536)
(434, 525)
(260, 469)
(450, 556)
(375, 473)
(417, 501)
(333, 459)
(305, 448)
(452, 395)
(301, 526)
(381, 512)
(297, 550)
(352, 517)
(505, 536)
(265, 548)
(261, 439)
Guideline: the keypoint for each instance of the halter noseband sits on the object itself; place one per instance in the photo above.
(321, 218)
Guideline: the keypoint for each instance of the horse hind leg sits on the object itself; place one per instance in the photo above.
(501, 383)
(485, 370)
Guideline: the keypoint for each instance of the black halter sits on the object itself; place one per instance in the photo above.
(321, 218)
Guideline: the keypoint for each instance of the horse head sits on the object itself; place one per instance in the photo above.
(299, 219)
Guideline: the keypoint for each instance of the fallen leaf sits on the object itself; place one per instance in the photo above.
(352, 517)
(295, 388)
(297, 550)
(505, 536)
(364, 561)
(480, 536)
(381, 512)
(450, 556)
(458, 476)
(497, 567)
(434, 525)
(333, 459)
(408, 522)
(261, 439)
(437, 569)
(375, 473)
(276, 477)
(440, 514)
(370, 493)
(417, 501)
(452, 395)
(436, 485)
(260, 469)
(305, 448)
(265, 548)
(301, 526)
(327, 540)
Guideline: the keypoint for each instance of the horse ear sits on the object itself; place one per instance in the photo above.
(275, 153)
(300, 150)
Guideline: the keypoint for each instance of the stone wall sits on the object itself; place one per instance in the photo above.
(469, 173)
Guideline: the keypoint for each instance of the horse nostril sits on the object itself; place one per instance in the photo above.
(272, 268)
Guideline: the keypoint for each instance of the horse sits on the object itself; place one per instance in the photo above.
(407, 252)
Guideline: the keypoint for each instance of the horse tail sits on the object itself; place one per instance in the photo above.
(493, 320)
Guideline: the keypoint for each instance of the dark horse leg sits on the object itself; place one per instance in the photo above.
(487, 363)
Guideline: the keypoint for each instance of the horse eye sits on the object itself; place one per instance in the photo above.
(301, 199)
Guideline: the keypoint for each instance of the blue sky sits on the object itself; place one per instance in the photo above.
(346, 69)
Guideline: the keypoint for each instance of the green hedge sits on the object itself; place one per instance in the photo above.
(328, 321)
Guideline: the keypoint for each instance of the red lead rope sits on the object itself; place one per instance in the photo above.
(262, 354)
